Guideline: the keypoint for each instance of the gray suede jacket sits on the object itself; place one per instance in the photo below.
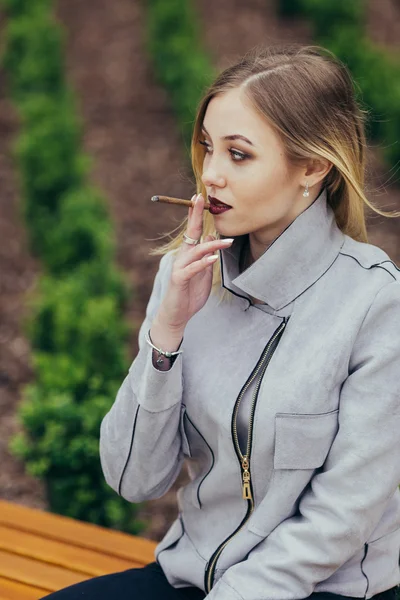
(312, 503)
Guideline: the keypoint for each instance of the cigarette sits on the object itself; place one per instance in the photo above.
(170, 200)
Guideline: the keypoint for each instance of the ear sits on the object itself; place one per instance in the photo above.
(316, 170)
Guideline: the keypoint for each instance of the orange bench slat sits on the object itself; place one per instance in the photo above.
(37, 574)
(77, 533)
(81, 560)
(12, 590)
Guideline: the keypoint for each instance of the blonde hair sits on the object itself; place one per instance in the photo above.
(307, 95)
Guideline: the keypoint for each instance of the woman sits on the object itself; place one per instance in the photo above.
(283, 390)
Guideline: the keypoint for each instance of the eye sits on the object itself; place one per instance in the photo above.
(240, 156)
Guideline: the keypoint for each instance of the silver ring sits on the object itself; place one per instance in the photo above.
(190, 240)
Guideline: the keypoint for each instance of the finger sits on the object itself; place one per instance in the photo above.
(192, 199)
(185, 274)
(195, 225)
(202, 250)
(209, 238)
(190, 219)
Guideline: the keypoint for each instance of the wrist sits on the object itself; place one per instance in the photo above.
(166, 336)
(163, 341)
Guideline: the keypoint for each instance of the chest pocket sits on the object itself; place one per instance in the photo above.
(302, 441)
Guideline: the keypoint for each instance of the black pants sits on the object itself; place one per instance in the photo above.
(150, 583)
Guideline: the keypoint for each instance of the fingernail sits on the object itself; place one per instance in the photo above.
(227, 241)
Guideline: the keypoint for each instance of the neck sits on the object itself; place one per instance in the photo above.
(250, 253)
(254, 247)
(246, 256)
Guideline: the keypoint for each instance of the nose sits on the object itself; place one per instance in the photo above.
(211, 178)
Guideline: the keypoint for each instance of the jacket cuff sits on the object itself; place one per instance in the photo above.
(155, 390)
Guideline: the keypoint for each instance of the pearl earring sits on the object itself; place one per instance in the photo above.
(306, 193)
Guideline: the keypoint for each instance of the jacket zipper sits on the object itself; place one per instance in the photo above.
(244, 459)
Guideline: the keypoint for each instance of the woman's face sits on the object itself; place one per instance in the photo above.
(253, 176)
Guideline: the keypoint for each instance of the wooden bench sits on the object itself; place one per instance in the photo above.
(42, 552)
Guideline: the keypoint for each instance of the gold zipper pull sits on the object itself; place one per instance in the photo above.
(246, 479)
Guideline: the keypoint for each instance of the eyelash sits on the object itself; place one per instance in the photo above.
(242, 155)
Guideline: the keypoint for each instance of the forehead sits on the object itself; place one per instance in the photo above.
(231, 113)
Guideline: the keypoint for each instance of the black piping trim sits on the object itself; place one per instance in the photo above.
(362, 571)
(130, 451)
(266, 250)
(389, 261)
(298, 295)
(228, 289)
(213, 458)
(311, 284)
(374, 265)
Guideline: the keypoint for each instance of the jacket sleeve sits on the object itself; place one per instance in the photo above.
(345, 500)
(140, 443)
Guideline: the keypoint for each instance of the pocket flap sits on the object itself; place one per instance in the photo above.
(302, 441)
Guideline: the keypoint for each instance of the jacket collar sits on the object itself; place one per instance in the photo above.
(295, 260)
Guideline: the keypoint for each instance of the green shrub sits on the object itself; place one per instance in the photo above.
(62, 448)
(78, 336)
(83, 232)
(70, 318)
(15, 8)
(181, 65)
(33, 55)
(50, 161)
(79, 362)
(329, 14)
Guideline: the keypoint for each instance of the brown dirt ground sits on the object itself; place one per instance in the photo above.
(131, 134)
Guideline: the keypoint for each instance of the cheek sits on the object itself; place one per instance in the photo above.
(264, 200)
(250, 173)
(264, 173)
(255, 182)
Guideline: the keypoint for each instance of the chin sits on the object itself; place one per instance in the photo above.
(229, 231)
(226, 231)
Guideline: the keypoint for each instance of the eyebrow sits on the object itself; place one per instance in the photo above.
(235, 136)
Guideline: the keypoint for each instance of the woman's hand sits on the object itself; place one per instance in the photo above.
(192, 273)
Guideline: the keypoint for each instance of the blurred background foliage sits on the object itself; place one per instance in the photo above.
(76, 327)
(340, 26)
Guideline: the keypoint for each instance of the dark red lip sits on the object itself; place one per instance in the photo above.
(216, 202)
